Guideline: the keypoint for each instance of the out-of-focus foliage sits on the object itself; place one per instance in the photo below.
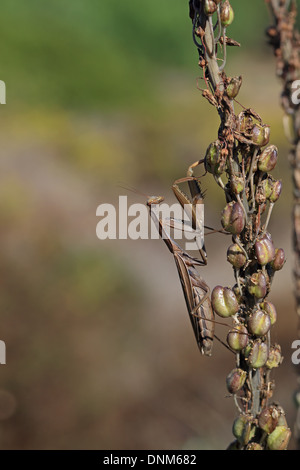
(94, 54)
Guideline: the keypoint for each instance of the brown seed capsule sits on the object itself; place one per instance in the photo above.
(264, 249)
(244, 122)
(235, 380)
(224, 301)
(227, 14)
(214, 162)
(233, 218)
(236, 256)
(268, 419)
(268, 158)
(275, 357)
(276, 191)
(209, 7)
(237, 338)
(279, 438)
(233, 87)
(259, 323)
(279, 259)
(258, 355)
(270, 309)
(260, 135)
(257, 285)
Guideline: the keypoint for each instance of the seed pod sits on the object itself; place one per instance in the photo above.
(259, 323)
(275, 358)
(268, 158)
(270, 309)
(267, 187)
(279, 438)
(264, 249)
(258, 355)
(279, 259)
(282, 420)
(268, 419)
(233, 218)
(235, 380)
(233, 87)
(236, 256)
(243, 429)
(224, 301)
(237, 184)
(276, 191)
(244, 122)
(257, 285)
(237, 338)
(260, 135)
(254, 446)
(209, 7)
(214, 163)
(227, 14)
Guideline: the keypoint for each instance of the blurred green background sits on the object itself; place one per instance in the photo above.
(100, 352)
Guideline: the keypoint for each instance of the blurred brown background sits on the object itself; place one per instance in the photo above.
(100, 351)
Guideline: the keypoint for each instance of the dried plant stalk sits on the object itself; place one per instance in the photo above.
(285, 40)
(240, 160)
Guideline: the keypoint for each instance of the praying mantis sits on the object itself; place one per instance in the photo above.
(195, 289)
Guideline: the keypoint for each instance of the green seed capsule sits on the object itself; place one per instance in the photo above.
(224, 301)
(227, 14)
(237, 184)
(264, 249)
(259, 323)
(233, 87)
(279, 438)
(235, 380)
(258, 355)
(209, 7)
(243, 429)
(260, 135)
(268, 158)
(237, 338)
(236, 256)
(282, 419)
(257, 285)
(275, 357)
(270, 309)
(214, 163)
(267, 187)
(233, 218)
(268, 419)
